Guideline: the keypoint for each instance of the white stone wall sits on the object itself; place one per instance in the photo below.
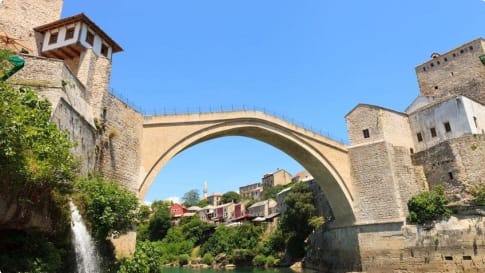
(98, 41)
(61, 35)
(457, 111)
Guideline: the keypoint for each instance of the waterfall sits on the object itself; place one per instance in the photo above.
(87, 259)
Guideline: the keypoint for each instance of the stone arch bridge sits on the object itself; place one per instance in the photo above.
(327, 160)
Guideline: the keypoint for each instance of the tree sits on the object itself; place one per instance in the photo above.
(295, 223)
(191, 198)
(204, 202)
(230, 196)
(428, 206)
(271, 192)
(109, 208)
(35, 158)
(159, 223)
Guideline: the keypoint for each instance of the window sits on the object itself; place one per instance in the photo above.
(420, 137)
(69, 33)
(450, 175)
(467, 258)
(449, 258)
(433, 132)
(436, 87)
(104, 50)
(366, 133)
(53, 38)
(411, 150)
(90, 38)
(475, 121)
(447, 126)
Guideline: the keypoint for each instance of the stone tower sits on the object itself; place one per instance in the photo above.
(85, 48)
(18, 18)
(460, 71)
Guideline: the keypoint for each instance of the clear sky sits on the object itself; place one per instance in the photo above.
(307, 60)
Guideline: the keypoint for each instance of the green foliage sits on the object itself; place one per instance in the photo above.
(191, 198)
(161, 204)
(195, 229)
(207, 259)
(270, 193)
(22, 251)
(271, 261)
(159, 223)
(145, 260)
(275, 244)
(183, 259)
(478, 192)
(259, 260)
(227, 239)
(295, 223)
(109, 208)
(202, 203)
(230, 196)
(316, 221)
(34, 153)
(142, 232)
(428, 206)
(5, 65)
(242, 257)
(143, 214)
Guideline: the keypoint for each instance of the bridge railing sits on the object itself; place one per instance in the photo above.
(167, 111)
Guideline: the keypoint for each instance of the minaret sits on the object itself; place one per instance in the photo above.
(204, 196)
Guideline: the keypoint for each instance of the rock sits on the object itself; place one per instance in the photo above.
(230, 266)
(297, 267)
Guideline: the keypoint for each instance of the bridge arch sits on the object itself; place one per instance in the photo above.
(166, 136)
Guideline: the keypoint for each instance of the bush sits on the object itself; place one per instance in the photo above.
(270, 261)
(428, 206)
(207, 259)
(479, 193)
(259, 260)
(183, 259)
(242, 257)
(146, 259)
(109, 208)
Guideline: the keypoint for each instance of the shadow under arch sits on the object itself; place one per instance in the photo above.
(278, 136)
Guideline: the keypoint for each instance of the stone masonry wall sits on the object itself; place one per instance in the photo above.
(94, 72)
(456, 245)
(80, 131)
(364, 117)
(118, 149)
(405, 176)
(382, 124)
(70, 110)
(457, 164)
(19, 17)
(458, 72)
(376, 195)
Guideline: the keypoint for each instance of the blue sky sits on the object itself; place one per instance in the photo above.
(309, 61)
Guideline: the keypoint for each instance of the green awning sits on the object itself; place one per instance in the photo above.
(17, 64)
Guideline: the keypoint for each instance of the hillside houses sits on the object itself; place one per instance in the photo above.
(258, 210)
